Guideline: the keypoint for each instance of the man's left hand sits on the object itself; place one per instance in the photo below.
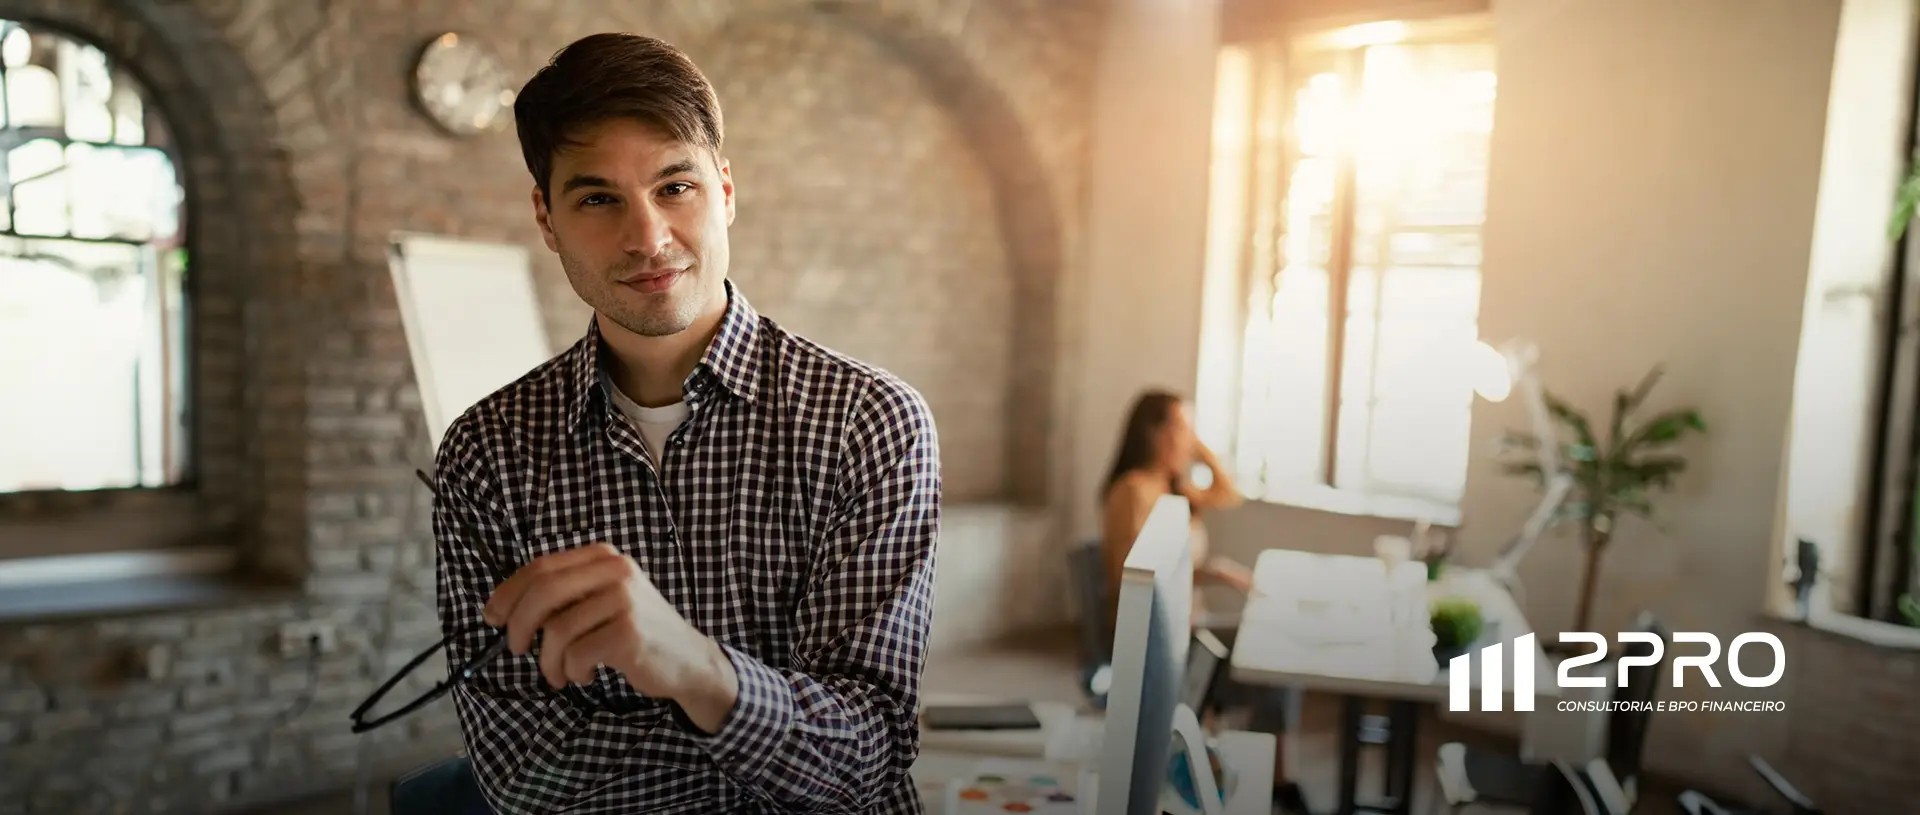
(594, 606)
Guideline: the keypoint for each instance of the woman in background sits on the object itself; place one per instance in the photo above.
(1158, 450)
(1157, 453)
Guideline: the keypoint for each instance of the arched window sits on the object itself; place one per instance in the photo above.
(92, 274)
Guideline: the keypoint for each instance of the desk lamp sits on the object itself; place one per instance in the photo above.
(1514, 365)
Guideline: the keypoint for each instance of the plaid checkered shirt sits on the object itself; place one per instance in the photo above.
(792, 518)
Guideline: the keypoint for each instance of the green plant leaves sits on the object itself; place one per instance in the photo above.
(1666, 428)
(1621, 475)
(1905, 202)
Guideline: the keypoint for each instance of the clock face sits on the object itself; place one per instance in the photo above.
(461, 85)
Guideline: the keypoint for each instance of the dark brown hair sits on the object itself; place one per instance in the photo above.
(607, 76)
(1149, 414)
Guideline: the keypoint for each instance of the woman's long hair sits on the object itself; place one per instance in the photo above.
(1149, 414)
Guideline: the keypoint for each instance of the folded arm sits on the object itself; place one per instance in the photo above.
(835, 728)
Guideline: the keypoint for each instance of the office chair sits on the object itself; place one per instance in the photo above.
(1087, 567)
(1467, 775)
(1694, 802)
(1564, 790)
(445, 787)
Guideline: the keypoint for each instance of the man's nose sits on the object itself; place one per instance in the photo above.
(648, 233)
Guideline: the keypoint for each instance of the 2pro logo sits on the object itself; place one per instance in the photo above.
(1492, 672)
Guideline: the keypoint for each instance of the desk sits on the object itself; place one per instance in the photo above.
(1074, 736)
(1340, 624)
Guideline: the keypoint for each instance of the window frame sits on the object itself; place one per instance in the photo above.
(59, 536)
(1886, 566)
(1274, 66)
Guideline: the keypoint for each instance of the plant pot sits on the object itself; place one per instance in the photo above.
(1443, 653)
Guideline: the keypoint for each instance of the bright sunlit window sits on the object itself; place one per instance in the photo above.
(1363, 262)
(92, 275)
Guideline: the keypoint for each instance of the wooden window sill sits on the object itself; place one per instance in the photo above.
(35, 593)
(1874, 633)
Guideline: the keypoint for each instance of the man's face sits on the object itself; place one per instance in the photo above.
(639, 221)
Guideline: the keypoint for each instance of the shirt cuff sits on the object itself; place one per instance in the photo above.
(752, 733)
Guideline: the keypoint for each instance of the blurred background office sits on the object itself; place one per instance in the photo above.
(1303, 215)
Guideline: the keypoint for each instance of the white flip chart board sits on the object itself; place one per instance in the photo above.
(472, 320)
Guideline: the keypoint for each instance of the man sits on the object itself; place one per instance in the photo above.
(710, 542)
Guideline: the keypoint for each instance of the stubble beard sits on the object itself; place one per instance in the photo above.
(653, 315)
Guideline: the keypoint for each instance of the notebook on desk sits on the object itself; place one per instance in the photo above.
(990, 716)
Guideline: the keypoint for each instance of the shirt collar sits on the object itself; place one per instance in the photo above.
(732, 359)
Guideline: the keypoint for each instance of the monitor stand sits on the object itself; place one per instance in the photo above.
(1191, 741)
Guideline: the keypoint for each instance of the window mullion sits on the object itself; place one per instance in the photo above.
(1340, 263)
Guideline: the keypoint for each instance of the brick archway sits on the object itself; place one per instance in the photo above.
(928, 37)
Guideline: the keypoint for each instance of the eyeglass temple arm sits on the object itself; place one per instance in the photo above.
(465, 672)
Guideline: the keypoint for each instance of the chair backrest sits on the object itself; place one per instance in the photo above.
(1564, 790)
(1090, 585)
(1627, 726)
(445, 786)
(1801, 804)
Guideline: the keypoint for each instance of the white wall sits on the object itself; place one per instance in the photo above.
(1136, 306)
(1655, 168)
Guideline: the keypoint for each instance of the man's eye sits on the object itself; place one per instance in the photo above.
(596, 200)
(677, 188)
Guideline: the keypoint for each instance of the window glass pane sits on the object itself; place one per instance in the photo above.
(34, 97)
(42, 204)
(36, 169)
(129, 194)
(1416, 451)
(85, 413)
(1284, 411)
(86, 87)
(129, 115)
(16, 46)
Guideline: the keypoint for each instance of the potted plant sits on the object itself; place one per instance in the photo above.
(1456, 622)
(1614, 473)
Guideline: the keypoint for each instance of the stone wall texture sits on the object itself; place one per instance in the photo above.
(909, 177)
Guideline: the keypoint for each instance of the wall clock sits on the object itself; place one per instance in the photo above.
(461, 85)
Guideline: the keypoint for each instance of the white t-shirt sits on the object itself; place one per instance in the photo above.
(653, 424)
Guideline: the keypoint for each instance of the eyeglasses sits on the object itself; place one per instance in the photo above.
(464, 673)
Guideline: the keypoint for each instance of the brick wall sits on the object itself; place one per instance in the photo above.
(1854, 739)
(923, 220)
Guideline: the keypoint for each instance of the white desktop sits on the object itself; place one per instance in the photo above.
(1125, 761)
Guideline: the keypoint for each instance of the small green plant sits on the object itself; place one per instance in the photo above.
(1456, 622)
(1905, 202)
(1614, 474)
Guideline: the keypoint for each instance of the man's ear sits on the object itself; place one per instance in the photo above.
(726, 185)
(542, 217)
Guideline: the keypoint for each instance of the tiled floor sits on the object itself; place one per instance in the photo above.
(1046, 671)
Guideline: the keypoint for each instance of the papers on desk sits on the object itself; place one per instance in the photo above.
(1339, 616)
(1323, 622)
(999, 786)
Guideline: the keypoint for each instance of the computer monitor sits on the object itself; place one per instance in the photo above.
(1146, 719)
